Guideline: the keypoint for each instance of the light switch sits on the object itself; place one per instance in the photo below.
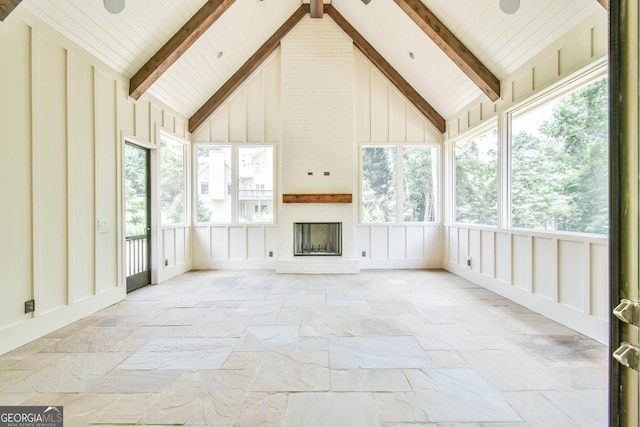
(103, 225)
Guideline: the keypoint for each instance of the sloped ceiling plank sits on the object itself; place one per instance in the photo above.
(452, 47)
(247, 68)
(6, 7)
(387, 70)
(177, 45)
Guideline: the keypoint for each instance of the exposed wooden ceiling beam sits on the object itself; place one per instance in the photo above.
(247, 68)
(452, 47)
(6, 7)
(177, 46)
(387, 70)
(604, 3)
(317, 8)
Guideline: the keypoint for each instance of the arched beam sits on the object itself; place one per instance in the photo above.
(6, 7)
(177, 46)
(452, 47)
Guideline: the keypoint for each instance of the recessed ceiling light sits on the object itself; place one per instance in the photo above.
(219, 54)
(113, 6)
(509, 6)
(412, 55)
(366, 1)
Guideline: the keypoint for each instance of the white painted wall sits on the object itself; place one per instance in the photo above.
(561, 275)
(317, 99)
(62, 122)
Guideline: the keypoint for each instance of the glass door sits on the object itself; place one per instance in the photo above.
(138, 216)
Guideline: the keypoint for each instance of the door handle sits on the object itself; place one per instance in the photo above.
(628, 355)
(628, 311)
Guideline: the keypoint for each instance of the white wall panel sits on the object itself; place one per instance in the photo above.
(379, 108)
(219, 125)
(255, 243)
(572, 273)
(463, 245)
(237, 242)
(50, 180)
(181, 245)
(521, 253)
(453, 244)
(503, 257)
(81, 178)
(272, 240)
(397, 116)
(379, 242)
(202, 243)
(107, 175)
(475, 249)
(255, 108)
(488, 253)
(600, 281)
(219, 243)
(397, 242)
(434, 251)
(142, 111)
(238, 116)
(415, 242)
(544, 267)
(15, 173)
(169, 246)
(363, 241)
(362, 99)
(272, 90)
(415, 126)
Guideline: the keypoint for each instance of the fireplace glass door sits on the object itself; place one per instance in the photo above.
(315, 238)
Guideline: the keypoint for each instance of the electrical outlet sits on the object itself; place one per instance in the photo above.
(30, 306)
(166, 263)
(270, 254)
(469, 262)
(364, 254)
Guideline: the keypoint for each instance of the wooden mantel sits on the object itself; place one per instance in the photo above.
(316, 198)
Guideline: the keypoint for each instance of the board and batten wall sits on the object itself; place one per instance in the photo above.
(63, 118)
(380, 116)
(563, 276)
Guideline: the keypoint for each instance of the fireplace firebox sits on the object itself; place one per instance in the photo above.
(317, 238)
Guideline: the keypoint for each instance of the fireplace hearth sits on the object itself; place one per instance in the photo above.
(317, 239)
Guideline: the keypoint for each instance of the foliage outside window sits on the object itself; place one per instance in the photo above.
(135, 187)
(419, 178)
(172, 182)
(559, 163)
(476, 171)
(253, 172)
(382, 193)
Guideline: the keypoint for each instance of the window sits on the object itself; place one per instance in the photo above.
(204, 188)
(172, 181)
(559, 164)
(399, 176)
(476, 171)
(255, 177)
(251, 199)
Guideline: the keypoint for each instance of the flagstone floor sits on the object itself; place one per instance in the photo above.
(255, 348)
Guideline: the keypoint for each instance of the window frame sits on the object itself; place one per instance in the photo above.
(165, 135)
(544, 97)
(399, 182)
(233, 186)
(467, 137)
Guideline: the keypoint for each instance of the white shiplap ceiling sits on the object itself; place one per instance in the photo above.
(128, 40)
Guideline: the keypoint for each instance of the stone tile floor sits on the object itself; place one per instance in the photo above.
(381, 348)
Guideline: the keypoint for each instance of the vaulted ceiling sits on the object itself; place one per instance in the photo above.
(191, 54)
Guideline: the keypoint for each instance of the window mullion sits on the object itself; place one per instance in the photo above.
(399, 183)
